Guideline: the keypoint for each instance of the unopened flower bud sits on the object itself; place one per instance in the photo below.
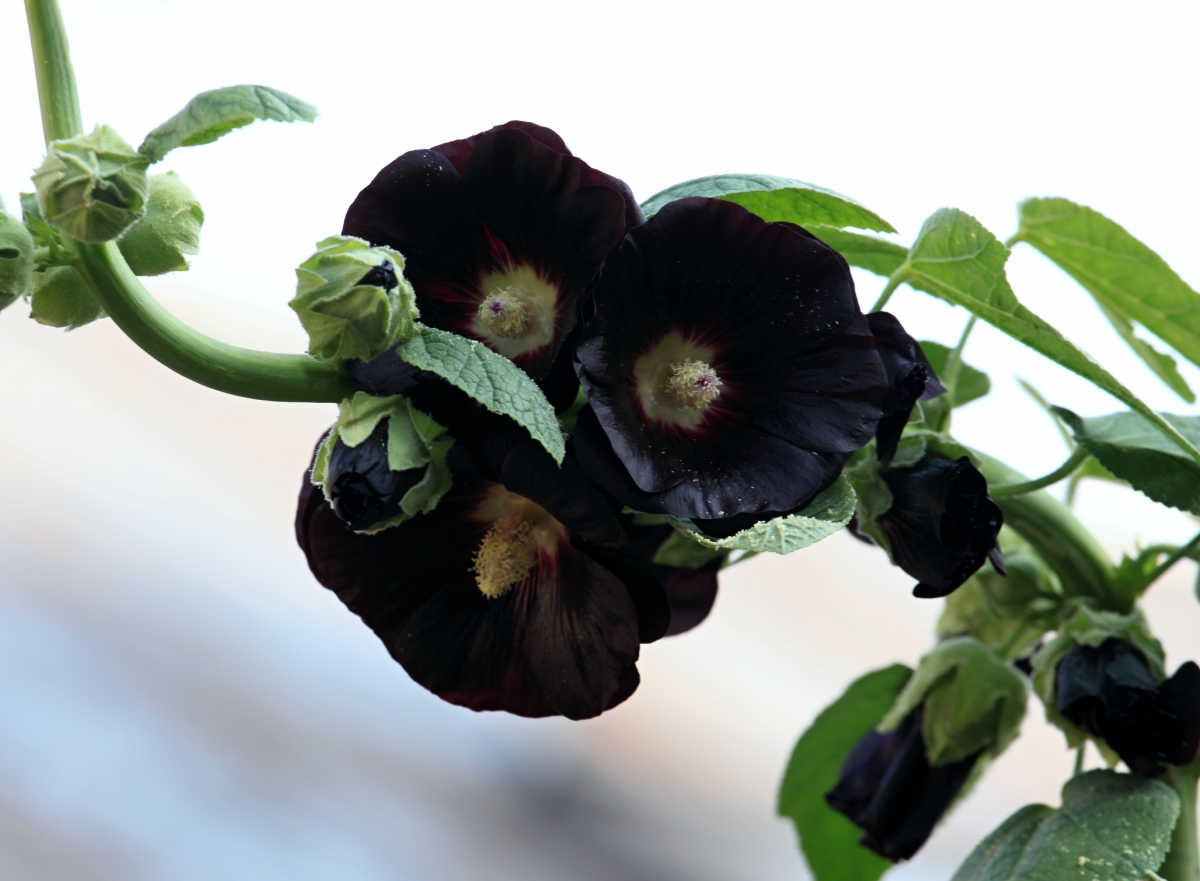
(170, 229)
(61, 298)
(16, 259)
(353, 299)
(92, 187)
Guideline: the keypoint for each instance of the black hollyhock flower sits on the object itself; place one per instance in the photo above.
(363, 489)
(727, 366)
(1109, 691)
(889, 790)
(501, 233)
(909, 374)
(690, 592)
(942, 525)
(516, 593)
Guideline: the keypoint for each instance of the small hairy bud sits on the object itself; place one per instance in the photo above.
(92, 187)
(353, 299)
(170, 229)
(16, 259)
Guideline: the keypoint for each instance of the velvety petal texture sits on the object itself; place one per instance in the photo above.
(501, 234)
(689, 592)
(1109, 691)
(727, 365)
(942, 525)
(889, 790)
(499, 599)
(909, 374)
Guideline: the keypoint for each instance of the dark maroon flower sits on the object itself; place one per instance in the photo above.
(690, 591)
(501, 233)
(942, 525)
(909, 374)
(1109, 691)
(728, 367)
(889, 790)
(514, 594)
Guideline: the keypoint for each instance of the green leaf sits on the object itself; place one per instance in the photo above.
(868, 252)
(1161, 363)
(682, 551)
(491, 379)
(1126, 278)
(829, 840)
(1133, 450)
(826, 514)
(775, 198)
(956, 259)
(971, 384)
(1111, 827)
(212, 114)
(972, 701)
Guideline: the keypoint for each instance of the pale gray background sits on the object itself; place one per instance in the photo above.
(180, 699)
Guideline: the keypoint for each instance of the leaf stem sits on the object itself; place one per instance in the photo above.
(893, 282)
(232, 369)
(1183, 862)
(1175, 555)
(954, 359)
(1077, 458)
(1079, 751)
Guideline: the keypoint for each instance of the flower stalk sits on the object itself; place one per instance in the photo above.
(238, 371)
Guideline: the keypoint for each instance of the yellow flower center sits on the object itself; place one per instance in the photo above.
(693, 383)
(520, 532)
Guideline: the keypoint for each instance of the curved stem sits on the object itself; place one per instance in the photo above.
(1077, 457)
(1059, 538)
(1173, 557)
(893, 282)
(232, 369)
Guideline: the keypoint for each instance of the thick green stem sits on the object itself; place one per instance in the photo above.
(1183, 862)
(1059, 538)
(52, 63)
(238, 371)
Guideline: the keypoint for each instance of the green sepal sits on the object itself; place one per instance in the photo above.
(414, 440)
(829, 840)
(92, 187)
(1111, 827)
(1091, 627)
(62, 298)
(344, 317)
(1006, 612)
(827, 513)
(214, 113)
(16, 259)
(489, 378)
(681, 550)
(775, 198)
(972, 701)
(49, 248)
(170, 230)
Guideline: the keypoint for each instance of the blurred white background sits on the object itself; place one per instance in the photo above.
(181, 700)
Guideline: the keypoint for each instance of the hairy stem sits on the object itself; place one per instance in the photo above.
(1182, 862)
(232, 369)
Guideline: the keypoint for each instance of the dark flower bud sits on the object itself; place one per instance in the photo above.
(909, 374)
(93, 187)
(941, 525)
(889, 790)
(1109, 691)
(362, 489)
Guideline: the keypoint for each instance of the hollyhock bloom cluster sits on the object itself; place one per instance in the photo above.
(728, 373)
(1109, 691)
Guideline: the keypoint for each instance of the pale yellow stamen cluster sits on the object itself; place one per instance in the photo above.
(505, 556)
(693, 383)
(505, 313)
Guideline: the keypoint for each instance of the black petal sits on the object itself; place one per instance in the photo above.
(363, 490)
(942, 525)
(909, 374)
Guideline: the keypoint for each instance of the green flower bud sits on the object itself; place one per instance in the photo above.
(61, 298)
(16, 259)
(170, 229)
(353, 299)
(92, 187)
(972, 701)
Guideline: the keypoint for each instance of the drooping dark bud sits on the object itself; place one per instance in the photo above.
(941, 525)
(1110, 692)
(362, 489)
(889, 790)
